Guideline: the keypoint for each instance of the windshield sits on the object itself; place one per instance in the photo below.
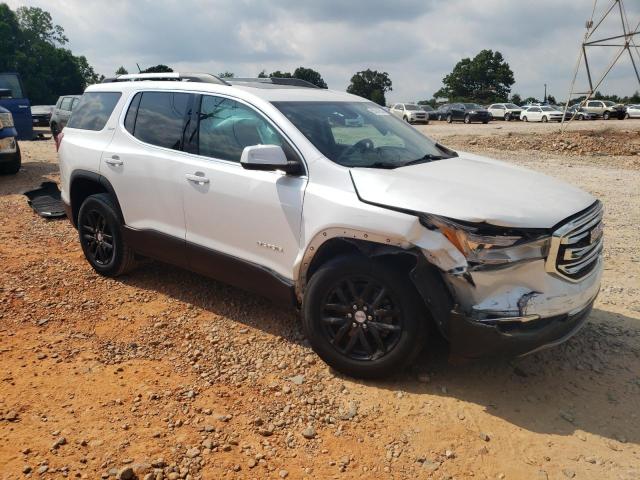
(411, 107)
(378, 140)
(547, 109)
(427, 108)
(11, 82)
(472, 106)
(511, 105)
(609, 104)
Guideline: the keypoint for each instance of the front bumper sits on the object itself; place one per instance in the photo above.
(517, 310)
(472, 339)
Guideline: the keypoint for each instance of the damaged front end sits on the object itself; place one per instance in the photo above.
(505, 299)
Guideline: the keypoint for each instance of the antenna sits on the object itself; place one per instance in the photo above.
(623, 42)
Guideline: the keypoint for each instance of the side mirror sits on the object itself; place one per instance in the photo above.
(267, 158)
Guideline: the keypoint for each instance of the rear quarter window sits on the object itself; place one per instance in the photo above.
(93, 110)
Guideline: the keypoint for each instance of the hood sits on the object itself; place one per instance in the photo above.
(473, 189)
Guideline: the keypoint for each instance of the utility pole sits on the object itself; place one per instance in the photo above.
(545, 93)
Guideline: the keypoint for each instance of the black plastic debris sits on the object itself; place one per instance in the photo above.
(46, 200)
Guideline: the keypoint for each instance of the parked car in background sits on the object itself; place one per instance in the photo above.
(431, 112)
(62, 112)
(410, 112)
(633, 111)
(13, 97)
(339, 119)
(381, 237)
(442, 111)
(505, 111)
(467, 113)
(576, 112)
(605, 109)
(542, 114)
(41, 115)
(10, 158)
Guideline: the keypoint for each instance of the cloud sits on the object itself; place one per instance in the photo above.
(416, 41)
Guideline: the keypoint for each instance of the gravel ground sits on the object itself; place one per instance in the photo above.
(164, 374)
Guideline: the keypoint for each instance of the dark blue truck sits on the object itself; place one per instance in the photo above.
(14, 99)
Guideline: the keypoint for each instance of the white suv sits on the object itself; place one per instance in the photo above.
(410, 113)
(505, 111)
(379, 234)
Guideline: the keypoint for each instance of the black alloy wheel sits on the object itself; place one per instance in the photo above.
(101, 238)
(362, 319)
(97, 236)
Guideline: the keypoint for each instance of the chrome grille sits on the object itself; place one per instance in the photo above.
(576, 246)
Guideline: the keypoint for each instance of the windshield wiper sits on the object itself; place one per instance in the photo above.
(389, 165)
(427, 158)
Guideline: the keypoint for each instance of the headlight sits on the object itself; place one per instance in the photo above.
(6, 120)
(490, 249)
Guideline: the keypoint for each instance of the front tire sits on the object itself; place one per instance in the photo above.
(467, 119)
(100, 233)
(363, 318)
(606, 115)
(449, 119)
(524, 119)
(545, 119)
(507, 117)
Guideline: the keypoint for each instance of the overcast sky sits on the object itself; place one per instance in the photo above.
(416, 41)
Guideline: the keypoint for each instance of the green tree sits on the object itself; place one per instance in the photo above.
(38, 23)
(226, 75)
(371, 84)
(529, 100)
(11, 38)
(161, 68)
(516, 98)
(121, 71)
(263, 74)
(310, 75)
(431, 102)
(32, 45)
(551, 99)
(486, 78)
(279, 74)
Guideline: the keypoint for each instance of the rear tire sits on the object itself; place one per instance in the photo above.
(524, 118)
(100, 233)
(381, 335)
(12, 166)
(507, 117)
(545, 119)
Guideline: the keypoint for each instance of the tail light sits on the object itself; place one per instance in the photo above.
(58, 139)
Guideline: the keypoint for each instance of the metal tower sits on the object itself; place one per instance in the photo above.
(623, 42)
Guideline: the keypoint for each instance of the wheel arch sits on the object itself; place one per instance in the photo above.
(84, 183)
(426, 277)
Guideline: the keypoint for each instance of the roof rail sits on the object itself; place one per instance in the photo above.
(167, 77)
(292, 82)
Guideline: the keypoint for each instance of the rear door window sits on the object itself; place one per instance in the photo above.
(93, 110)
(161, 118)
(66, 104)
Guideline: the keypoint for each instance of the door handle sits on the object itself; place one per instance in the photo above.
(198, 178)
(114, 160)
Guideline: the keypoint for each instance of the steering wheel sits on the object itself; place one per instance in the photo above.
(361, 146)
